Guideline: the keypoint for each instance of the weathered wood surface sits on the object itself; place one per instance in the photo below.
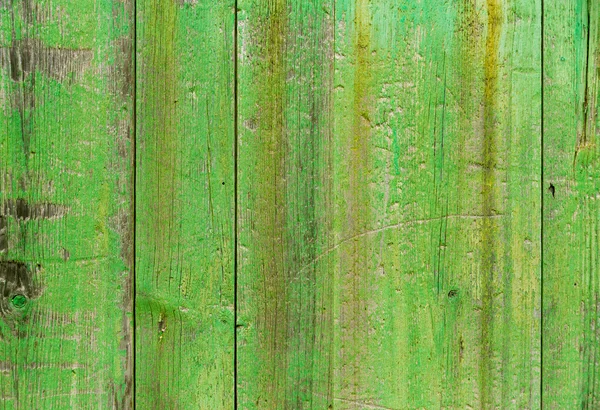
(185, 205)
(285, 157)
(389, 204)
(415, 229)
(571, 330)
(66, 109)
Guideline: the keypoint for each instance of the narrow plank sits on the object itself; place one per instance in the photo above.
(389, 206)
(184, 205)
(571, 281)
(285, 73)
(66, 108)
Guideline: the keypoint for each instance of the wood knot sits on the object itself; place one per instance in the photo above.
(17, 286)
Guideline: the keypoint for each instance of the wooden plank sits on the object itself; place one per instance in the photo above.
(437, 126)
(571, 280)
(185, 205)
(389, 206)
(65, 204)
(285, 62)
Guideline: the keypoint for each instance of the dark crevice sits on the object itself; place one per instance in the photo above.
(134, 200)
(582, 137)
(542, 184)
(235, 206)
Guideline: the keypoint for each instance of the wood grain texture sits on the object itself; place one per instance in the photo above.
(389, 204)
(185, 205)
(571, 331)
(66, 108)
(285, 74)
(438, 124)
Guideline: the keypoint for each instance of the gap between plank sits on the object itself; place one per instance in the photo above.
(235, 204)
(134, 206)
(542, 190)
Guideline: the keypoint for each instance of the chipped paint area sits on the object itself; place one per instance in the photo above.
(28, 56)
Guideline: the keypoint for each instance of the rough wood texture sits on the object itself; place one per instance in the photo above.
(285, 58)
(389, 204)
(66, 107)
(397, 199)
(185, 205)
(571, 332)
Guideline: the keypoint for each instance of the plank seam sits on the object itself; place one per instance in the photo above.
(542, 185)
(134, 205)
(235, 204)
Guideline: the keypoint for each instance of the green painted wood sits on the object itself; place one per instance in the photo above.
(285, 83)
(185, 204)
(66, 111)
(571, 320)
(389, 204)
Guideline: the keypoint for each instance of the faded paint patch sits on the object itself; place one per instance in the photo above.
(489, 227)
(27, 56)
(20, 209)
(3, 234)
(33, 12)
(121, 74)
(355, 260)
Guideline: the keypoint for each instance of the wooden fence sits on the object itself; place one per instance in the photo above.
(299, 204)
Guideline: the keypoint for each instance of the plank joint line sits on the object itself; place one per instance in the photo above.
(134, 204)
(542, 189)
(235, 203)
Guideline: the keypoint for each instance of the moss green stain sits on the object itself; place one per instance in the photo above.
(270, 197)
(354, 260)
(284, 75)
(376, 269)
(489, 229)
